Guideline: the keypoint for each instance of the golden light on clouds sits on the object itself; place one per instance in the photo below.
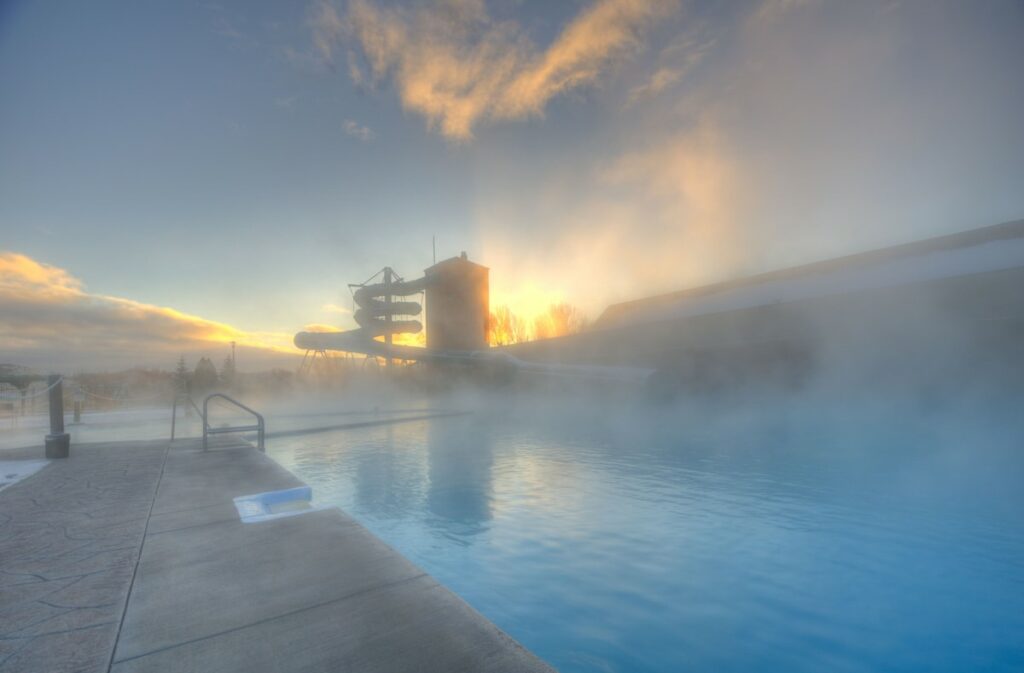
(656, 218)
(457, 67)
(45, 308)
(335, 308)
(658, 214)
(22, 272)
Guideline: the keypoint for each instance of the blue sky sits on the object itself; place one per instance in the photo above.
(240, 162)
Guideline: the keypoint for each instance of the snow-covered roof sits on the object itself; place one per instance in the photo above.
(983, 250)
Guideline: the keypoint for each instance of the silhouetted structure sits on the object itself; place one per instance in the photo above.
(458, 308)
(910, 312)
(458, 305)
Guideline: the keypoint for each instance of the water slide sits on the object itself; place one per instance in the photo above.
(378, 315)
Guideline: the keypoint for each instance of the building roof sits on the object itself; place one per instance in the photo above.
(454, 262)
(990, 248)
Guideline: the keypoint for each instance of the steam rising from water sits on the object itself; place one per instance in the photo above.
(851, 529)
(797, 132)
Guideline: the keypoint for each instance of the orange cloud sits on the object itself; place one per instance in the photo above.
(22, 272)
(665, 215)
(320, 327)
(334, 308)
(603, 32)
(457, 67)
(46, 310)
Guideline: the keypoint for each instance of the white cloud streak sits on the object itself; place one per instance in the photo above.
(358, 131)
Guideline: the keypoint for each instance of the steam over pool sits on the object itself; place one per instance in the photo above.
(801, 538)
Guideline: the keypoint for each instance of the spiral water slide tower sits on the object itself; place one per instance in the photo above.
(457, 313)
(456, 293)
(380, 315)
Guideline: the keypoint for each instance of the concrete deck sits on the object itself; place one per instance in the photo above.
(130, 557)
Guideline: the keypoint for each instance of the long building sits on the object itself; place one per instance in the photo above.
(913, 310)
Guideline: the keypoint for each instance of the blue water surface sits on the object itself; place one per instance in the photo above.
(786, 539)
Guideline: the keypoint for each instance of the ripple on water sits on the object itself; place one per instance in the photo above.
(728, 548)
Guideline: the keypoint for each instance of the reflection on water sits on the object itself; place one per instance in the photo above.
(836, 541)
(849, 538)
(386, 481)
(460, 479)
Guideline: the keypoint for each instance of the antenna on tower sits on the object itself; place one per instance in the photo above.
(433, 244)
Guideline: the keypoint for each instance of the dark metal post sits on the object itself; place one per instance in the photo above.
(206, 428)
(58, 442)
(388, 339)
(174, 416)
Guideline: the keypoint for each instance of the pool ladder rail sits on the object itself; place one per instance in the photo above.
(259, 427)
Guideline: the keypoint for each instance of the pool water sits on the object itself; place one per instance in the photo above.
(791, 539)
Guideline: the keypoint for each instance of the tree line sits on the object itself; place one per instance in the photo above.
(506, 328)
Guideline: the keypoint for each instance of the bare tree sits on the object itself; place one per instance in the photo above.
(506, 328)
(559, 320)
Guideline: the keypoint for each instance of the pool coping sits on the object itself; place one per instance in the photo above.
(190, 586)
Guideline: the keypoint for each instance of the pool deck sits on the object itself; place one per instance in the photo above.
(130, 556)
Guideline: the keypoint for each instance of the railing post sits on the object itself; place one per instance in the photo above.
(174, 415)
(58, 442)
(260, 427)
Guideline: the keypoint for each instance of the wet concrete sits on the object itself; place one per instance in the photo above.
(131, 557)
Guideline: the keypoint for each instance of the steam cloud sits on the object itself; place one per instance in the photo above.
(784, 133)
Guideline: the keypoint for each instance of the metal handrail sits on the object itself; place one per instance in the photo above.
(260, 426)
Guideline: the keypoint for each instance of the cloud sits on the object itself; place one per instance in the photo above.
(661, 216)
(334, 308)
(810, 133)
(678, 59)
(659, 81)
(456, 66)
(357, 130)
(22, 272)
(328, 28)
(775, 10)
(320, 327)
(49, 317)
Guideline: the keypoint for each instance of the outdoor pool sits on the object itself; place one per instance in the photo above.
(778, 540)
(802, 537)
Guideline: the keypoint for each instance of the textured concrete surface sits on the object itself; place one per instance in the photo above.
(70, 537)
(132, 558)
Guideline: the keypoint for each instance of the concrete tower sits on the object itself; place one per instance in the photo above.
(458, 305)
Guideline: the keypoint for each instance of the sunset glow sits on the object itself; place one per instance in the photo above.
(543, 336)
(47, 307)
(586, 153)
